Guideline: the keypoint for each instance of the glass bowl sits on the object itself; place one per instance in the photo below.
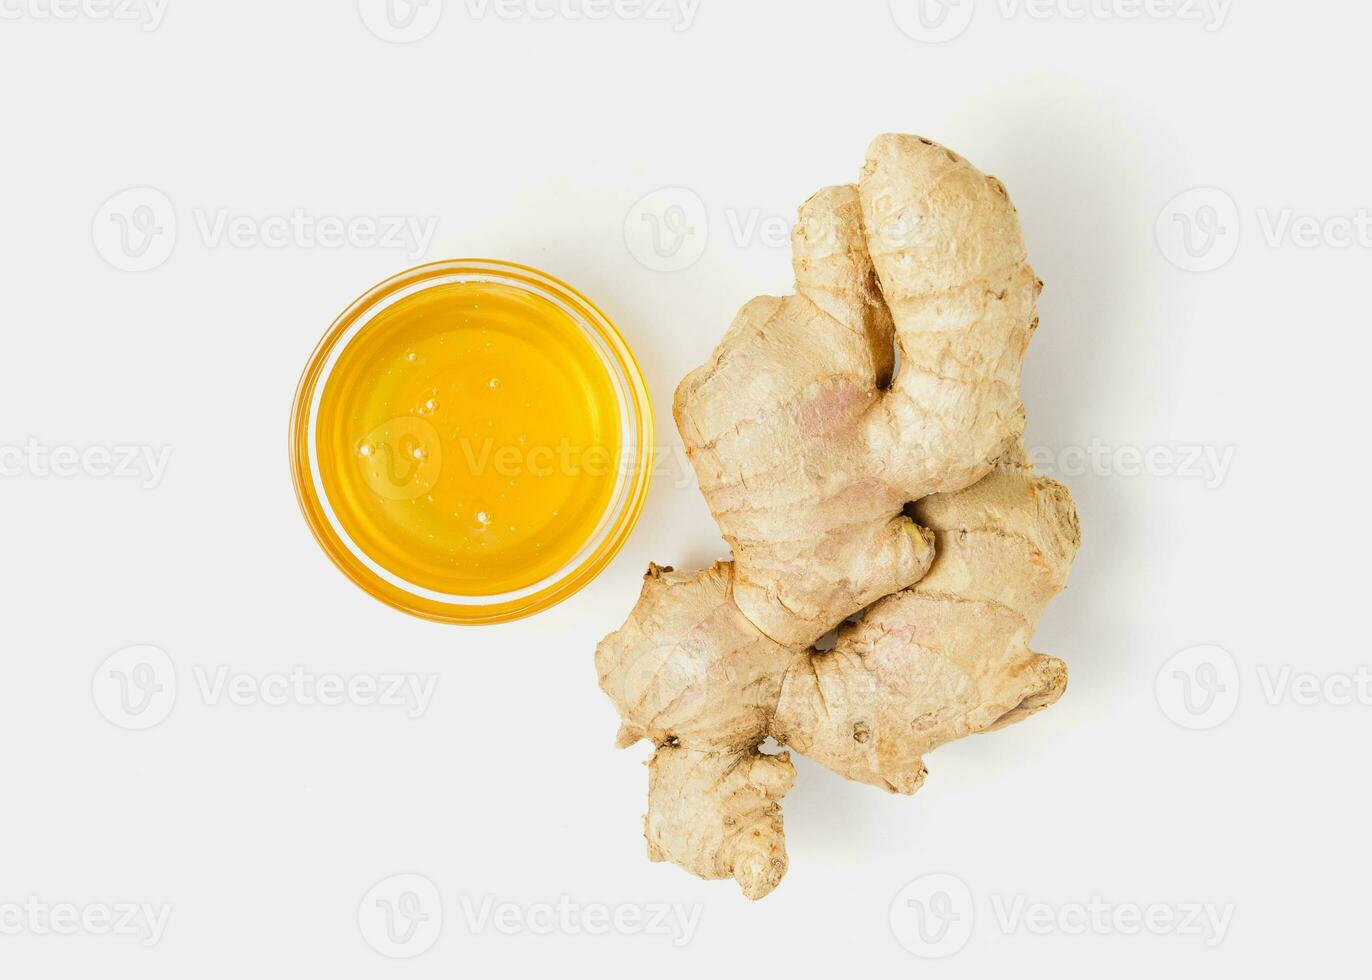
(631, 474)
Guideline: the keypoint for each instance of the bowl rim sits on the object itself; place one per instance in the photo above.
(604, 543)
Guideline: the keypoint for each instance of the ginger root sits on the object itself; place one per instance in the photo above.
(844, 483)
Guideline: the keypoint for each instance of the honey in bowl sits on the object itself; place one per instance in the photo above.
(470, 441)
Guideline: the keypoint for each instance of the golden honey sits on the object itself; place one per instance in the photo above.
(471, 439)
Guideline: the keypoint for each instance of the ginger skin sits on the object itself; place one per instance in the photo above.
(808, 454)
(805, 450)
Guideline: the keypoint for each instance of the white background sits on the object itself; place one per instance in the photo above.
(531, 138)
